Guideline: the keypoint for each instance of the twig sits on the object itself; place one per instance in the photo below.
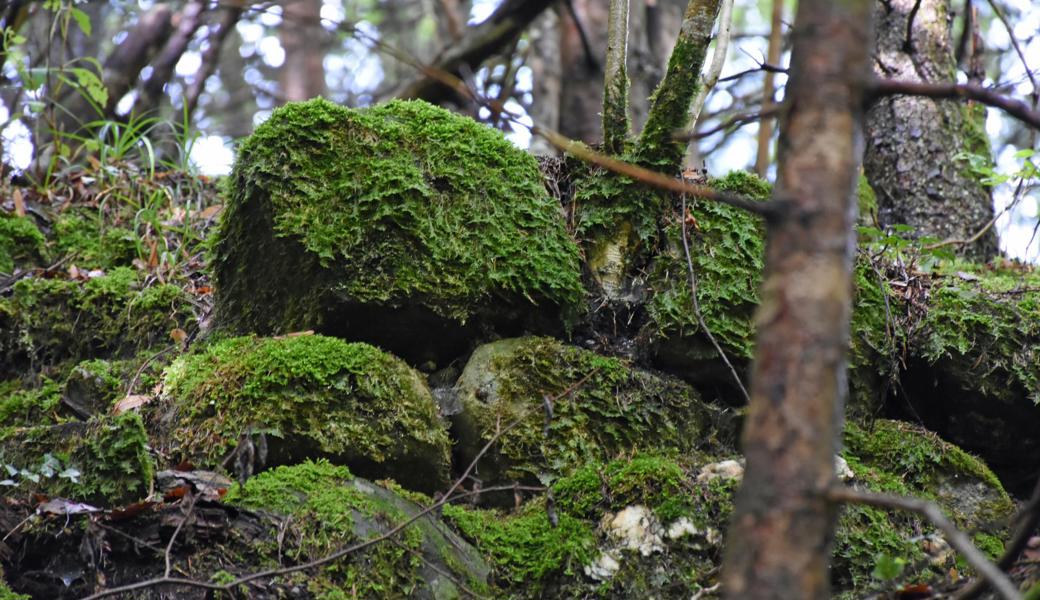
(697, 307)
(1016, 108)
(173, 538)
(741, 119)
(931, 511)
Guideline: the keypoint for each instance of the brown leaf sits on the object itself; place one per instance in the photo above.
(179, 335)
(210, 211)
(130, 402)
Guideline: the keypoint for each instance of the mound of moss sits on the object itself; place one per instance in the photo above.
(21, 242)
(103, 461)
(306, 397)
(332, 509)
(378, 223)
(46, 321)
(726, 250)
(558, 407)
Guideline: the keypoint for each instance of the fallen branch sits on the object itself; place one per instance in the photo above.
(931, 511)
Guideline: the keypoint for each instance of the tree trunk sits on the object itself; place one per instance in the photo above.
(782, 528)
(912, 142)
(583, 46)
(303, 39)
(615, 85)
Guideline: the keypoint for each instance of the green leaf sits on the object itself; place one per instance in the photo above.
(1025, 153)
(82, 19)
(888, 568)
(91, 85)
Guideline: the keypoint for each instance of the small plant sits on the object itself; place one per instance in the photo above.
(49, 468)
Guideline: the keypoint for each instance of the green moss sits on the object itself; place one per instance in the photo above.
(726, 249)
(91, 242)
(982, 328)
(109, 453)
(526, 548)
(311, 395)
(867, 201)
(332, 509)
(601, 408)
(46, 321)
(403, 204)
(20, 241)
(26, 407)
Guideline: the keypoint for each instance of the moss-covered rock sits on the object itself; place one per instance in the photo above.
(375, 224)
(332, 509)
(896, 457)
(569, 406)
(307, 396)
(21, 242)
(104, 460)
(46, 321)
(726, 249)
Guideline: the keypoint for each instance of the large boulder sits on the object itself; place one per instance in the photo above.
(303, 397)
(403, 225)
(550, 408)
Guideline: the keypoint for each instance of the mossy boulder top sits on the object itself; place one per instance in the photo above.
(375, 223)
(309, 397)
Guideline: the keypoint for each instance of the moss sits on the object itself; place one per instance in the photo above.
(109, 453)
(400, 205)
(20, 242)
(311, 396)
(332, 509)
(20, 407)
(46, 321)
(526, 549)
(91, 242)
(982, 326)
(867, 201)
(601, 407)
(726, 249)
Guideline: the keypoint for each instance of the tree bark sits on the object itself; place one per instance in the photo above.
(913, 142)
(582, 47)
(615, 86)
(765, 126)
(302, 75)
(782, 528)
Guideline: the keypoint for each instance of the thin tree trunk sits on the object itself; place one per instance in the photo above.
(782, 528)
(583, 44)
(615, 87)
(765, 126)
(913, 142)
(302, 36)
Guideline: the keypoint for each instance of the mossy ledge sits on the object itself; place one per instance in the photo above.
(309, 396)
(371, 223)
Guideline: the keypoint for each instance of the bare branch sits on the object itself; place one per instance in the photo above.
(718, 59)
(1016, 108)
(931, 511)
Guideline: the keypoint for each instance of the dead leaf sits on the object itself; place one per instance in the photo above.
(19, 203)
(73, 271)
(130, 402)
(210, 211)
(61, 506)
(179, 335)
